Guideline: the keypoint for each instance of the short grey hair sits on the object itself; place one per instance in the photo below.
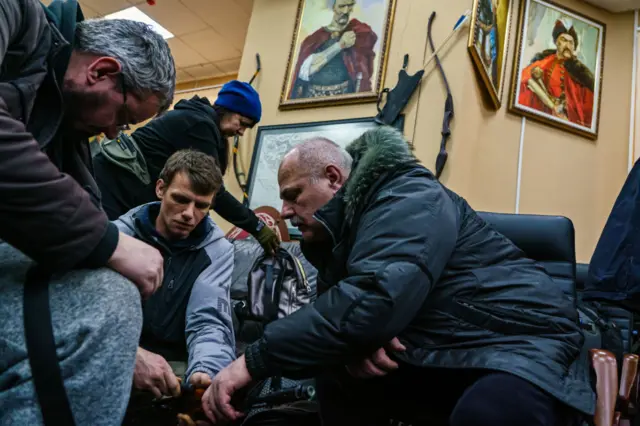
(147, 64)
(316, 153)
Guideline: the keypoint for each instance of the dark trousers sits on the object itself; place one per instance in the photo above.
(420, 396)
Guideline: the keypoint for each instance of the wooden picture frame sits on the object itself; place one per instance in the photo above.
(488, 44)
(338, 54)
(563, 90)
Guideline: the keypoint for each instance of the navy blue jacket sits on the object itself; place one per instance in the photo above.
(615, 266)
(408, 258)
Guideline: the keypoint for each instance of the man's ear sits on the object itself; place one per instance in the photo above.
(103, 67)
(160, 189)
(335, 176)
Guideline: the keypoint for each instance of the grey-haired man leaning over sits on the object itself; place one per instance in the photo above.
(62, 81)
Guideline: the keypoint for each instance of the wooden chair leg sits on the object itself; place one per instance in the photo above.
(627, 382)
(628, 375)
(606, 369)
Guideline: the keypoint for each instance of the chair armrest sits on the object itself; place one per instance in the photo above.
(605, 366)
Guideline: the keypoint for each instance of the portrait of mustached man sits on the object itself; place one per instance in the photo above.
(556, 82)
(336, 59)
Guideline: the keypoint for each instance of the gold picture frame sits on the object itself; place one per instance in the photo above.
(569, 81)
(361, 70)
(491, 29)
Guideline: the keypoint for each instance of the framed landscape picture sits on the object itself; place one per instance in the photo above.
(557, 78)
(489, 43)
(339, 52)
(273, 142)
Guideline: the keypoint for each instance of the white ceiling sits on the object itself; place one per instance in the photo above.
(616, 6)
(209, 34)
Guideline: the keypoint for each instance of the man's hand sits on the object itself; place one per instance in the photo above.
(216, 401)
(348, 39)
(186, 420)
(379, 364)
(537, 73)
(139, 262)
(200, 380)
(153, 373)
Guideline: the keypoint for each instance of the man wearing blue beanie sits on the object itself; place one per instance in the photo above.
(241, 98)
(127, 168)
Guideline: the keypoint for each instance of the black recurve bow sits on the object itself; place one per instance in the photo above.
(241, 176)
(448, 107)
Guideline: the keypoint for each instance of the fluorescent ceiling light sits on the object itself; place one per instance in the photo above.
(135, 14)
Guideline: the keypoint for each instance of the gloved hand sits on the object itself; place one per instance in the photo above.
(268, 239)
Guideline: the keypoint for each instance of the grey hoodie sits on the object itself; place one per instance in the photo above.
(193, 304)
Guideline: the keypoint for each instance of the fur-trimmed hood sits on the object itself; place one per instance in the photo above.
(374, 153)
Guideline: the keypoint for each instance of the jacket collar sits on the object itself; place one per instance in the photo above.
(145, 224)
(376, 153)
(331, 216)
(63, 17)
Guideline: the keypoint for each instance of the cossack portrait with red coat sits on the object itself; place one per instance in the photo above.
(559, 63)
(338, 49)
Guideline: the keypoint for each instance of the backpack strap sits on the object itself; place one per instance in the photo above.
(592, 311)
(273, 288)
(268, 296)
(41, 347)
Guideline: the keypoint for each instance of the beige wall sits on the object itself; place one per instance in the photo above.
(561, 173)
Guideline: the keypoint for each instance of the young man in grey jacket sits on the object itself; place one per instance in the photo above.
(189, 318)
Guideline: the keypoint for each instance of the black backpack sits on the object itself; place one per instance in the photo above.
(249, 269)
(265, 288)
(277, 286)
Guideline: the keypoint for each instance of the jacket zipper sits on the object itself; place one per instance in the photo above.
(170, 285)
(305, 282)
(499, 311)
(319, 219)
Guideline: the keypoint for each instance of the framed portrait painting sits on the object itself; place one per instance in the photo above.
(339, 52)
(557, 78)
(273, 142)
(489, 42)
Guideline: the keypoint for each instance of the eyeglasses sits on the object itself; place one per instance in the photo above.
(123, 115)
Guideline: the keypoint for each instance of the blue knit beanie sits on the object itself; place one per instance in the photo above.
(240, 97)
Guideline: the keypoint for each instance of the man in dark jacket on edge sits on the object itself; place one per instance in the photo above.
(446, 317)
(192, 124)
(61, 81)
